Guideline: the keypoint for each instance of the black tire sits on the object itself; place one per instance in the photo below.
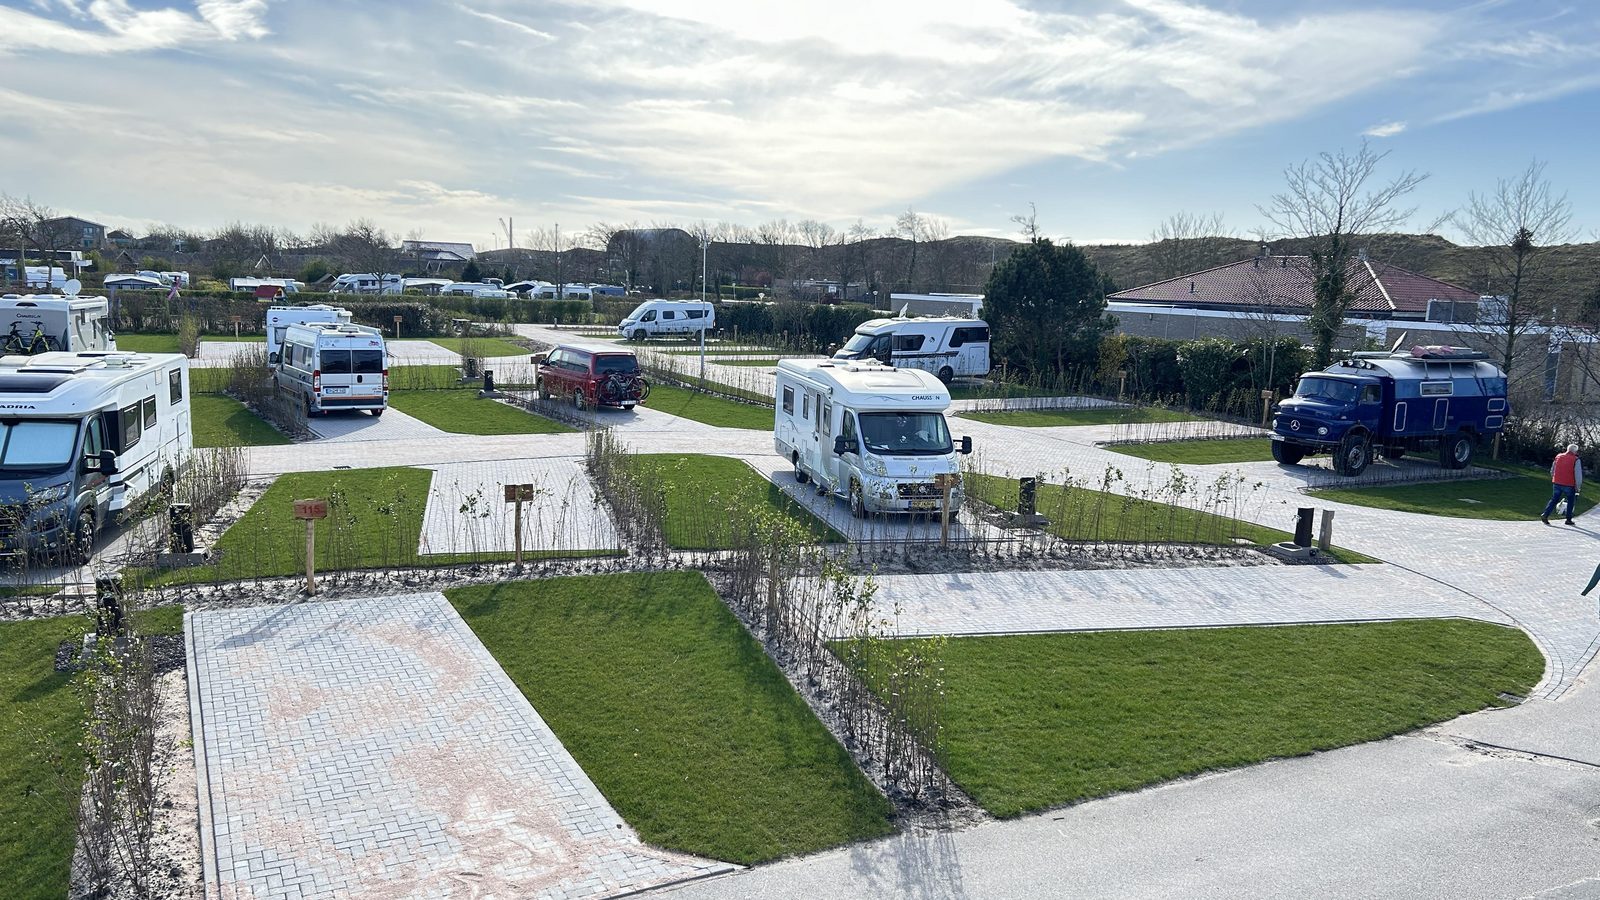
(640, 335)
(376, 413)
(577, 400)
(306, 400)
(947, 374)
(800, 476)
(858, 503)
(1353, 456)
(1455, 452)
(1287, 453)
(80, 546)
(538, 390)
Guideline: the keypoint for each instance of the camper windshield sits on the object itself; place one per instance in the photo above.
(905, 434)
(858, 343)
(1326, 389)
(37, 445)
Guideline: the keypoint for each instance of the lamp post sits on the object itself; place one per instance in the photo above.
(705, 244)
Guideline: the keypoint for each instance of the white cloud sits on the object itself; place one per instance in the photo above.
(1387, 129)
(520, 28)
(113, 26)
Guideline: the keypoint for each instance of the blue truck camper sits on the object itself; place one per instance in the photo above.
(1441, 399)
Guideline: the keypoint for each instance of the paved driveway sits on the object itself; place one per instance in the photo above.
(373, 748)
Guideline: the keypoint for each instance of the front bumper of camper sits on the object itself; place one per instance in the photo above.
(887, 495)
(26, 532)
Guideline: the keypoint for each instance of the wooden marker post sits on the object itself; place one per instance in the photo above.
(236, 327)
(1325, 537)
(1266, 407)
(517, 493)
(311, 511)
(947, 483)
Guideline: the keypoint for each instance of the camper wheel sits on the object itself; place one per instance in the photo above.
(376, 413)
(1353, 455)
(1287, 453)
(81, 549)
(800, 476)
(947, 374)
(639, 334)
(1456, 452)
(858, 503)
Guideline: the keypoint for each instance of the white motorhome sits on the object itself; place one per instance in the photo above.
(659, 318)
(39, 323)
(44, 276)
(82, 437)
(474, 289)
(367, 283)
(947, 346)
(571, 291)
(869, 433)
(279, 318)
(287, 285)
(333, 367)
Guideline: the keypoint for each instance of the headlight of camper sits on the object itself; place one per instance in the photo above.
(874, 465)
(1322, 430)
(46, 496)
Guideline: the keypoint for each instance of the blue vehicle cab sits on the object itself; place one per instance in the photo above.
(1441, 399)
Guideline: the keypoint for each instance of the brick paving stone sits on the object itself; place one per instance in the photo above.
(374, 748)
(467, 512)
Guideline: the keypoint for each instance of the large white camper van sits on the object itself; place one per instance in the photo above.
(872, 434)
(335, 367)
(82, 437)
(40, 323)
(659, 318)
(367, 283)
(947, 346)
(279, 318)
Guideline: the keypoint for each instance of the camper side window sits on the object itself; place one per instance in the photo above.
(149, 412)
(668, 314)
(969, 335)
(695, 313)
(805, 407)
(175, 385)
(908, 343)
(648, 317)
(847, 430)
(92, 442)
(788, 400)
(130, 427)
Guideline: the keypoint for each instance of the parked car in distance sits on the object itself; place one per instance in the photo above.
(591, 377)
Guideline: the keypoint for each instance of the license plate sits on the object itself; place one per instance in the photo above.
(335, 390)
(924, 504)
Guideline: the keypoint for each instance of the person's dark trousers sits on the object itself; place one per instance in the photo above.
(1557, 492)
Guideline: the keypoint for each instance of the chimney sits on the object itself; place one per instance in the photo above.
(1283, 262)
(1191, 285)
(1262, 252)
(1362, 254)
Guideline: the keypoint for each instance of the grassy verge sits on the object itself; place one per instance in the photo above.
(221, 421)
(1101, 415)
(480, 346)
(1520, 497)
(147, 343)
(967, 390)
(1200, 453)
(1080, 514)
(374, 519)
(710, 384)
(699, 491)
(462, 412)
(208, 380)
(676, 714)
(705, 408)
(1041, 720)
(39, 719)
(425, 378)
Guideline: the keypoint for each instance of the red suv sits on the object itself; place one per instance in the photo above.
(591, 378)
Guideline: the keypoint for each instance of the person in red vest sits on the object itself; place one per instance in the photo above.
(1566, 481)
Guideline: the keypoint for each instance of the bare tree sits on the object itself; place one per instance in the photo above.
(1328, 203)
(1028, 224)
(910, 226)
(1514, 225)
(365, 247)
(1186, 242)
(27, 223)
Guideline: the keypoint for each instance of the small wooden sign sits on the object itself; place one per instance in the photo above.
(311, 509)
(399, 319)
(948, 480)
(523, 492)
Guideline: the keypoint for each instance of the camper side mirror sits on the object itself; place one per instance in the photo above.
(966, 444)
(108, 462)
(272, 359)
(840, 446)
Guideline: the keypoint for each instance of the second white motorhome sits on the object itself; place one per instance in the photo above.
(40, 323)
(367, 283)
(869, 433)
(659, 318)
(82, 437)
(335, 367)
(279, 318)
(474, 289)
(947, 346)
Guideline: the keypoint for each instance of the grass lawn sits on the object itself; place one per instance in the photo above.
(1520, 497)
(676, 714)
(1200, 453)
(717, 411)
(1037, 721)
(209, 381)
(1104, 415)
(462, 412)
(1081, 514)
(221, 421)
(374, 519)
(147, 343)
(481, 346)
(700, 490)
(427, 378)
(967, 390)
(39, 717)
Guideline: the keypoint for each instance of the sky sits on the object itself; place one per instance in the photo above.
(1107, 116)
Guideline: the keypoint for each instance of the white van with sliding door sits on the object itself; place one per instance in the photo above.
(335, 367)
(947, 346)
(660, 318)
(279, 318)
(871, 434)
